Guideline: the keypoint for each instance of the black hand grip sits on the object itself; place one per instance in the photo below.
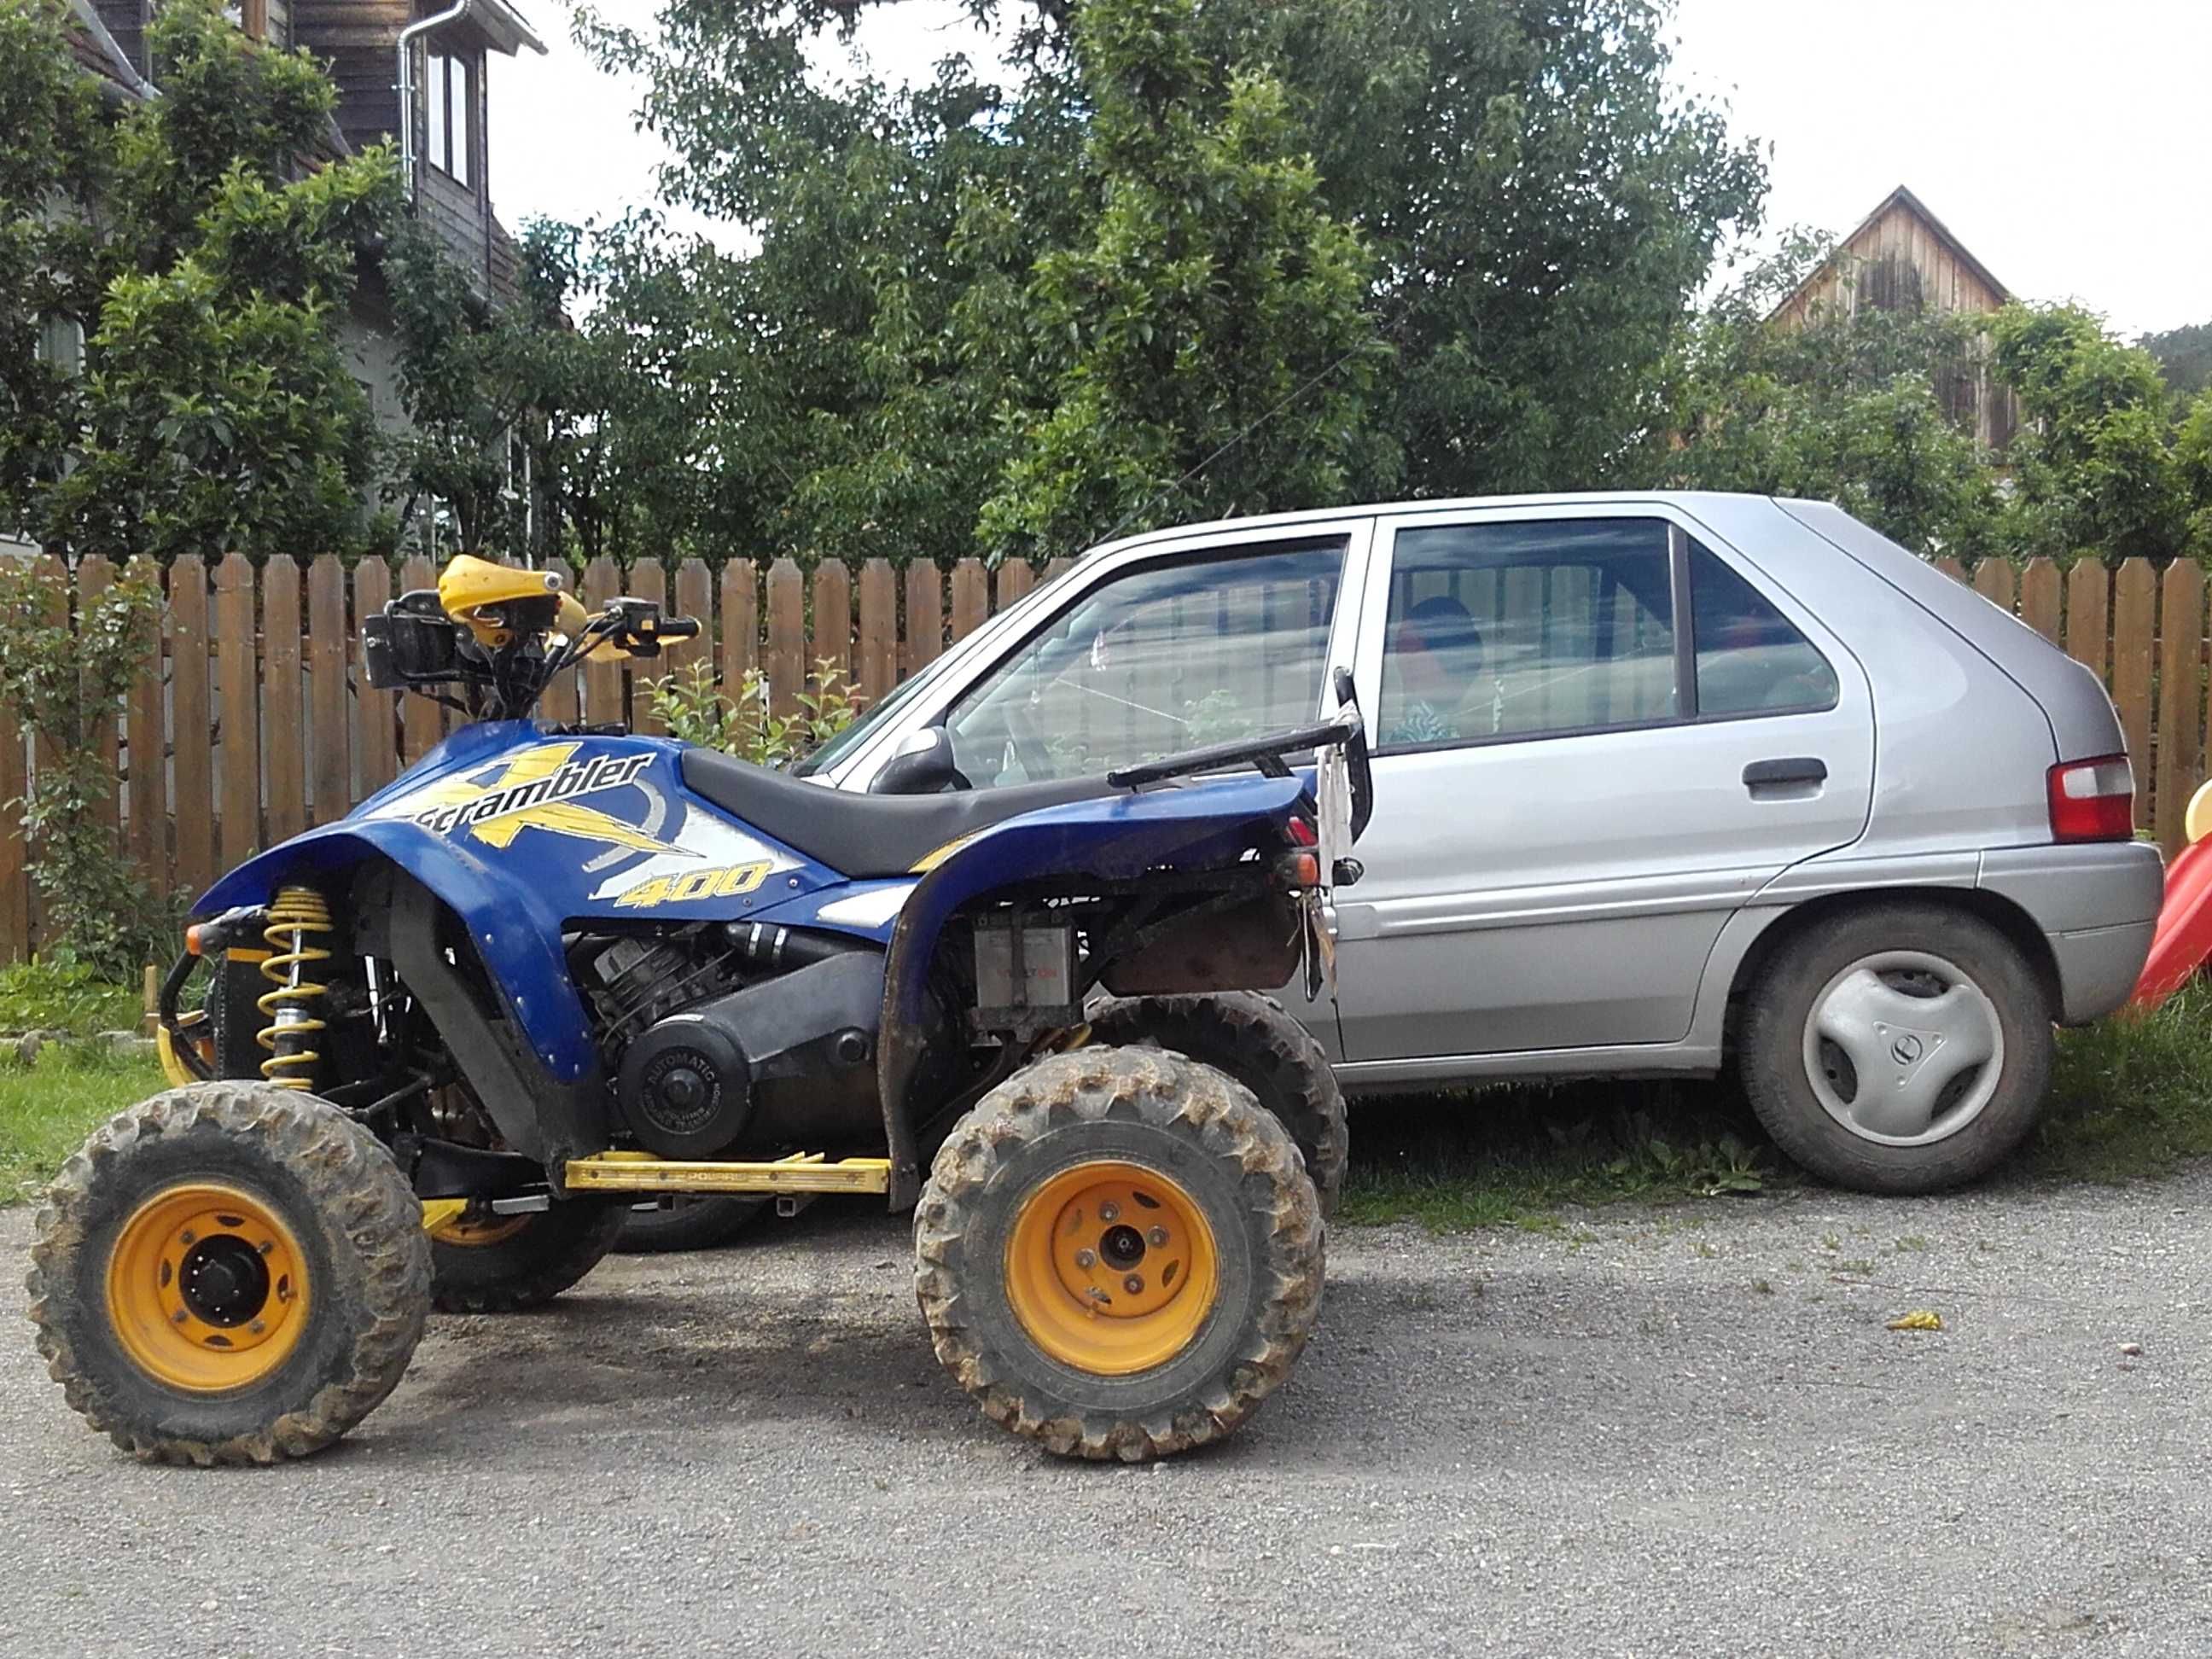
(1797, 769)
(678, 628)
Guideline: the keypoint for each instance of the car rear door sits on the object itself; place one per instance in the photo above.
(1598, 732)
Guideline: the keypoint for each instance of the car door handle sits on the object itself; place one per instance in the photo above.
(1796, 769)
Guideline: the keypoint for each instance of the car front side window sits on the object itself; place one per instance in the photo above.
(1160, 659)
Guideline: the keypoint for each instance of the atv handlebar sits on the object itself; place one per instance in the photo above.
(501, 649)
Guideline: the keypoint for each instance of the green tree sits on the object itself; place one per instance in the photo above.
(1845, 408)
(947, 303)
(203, 260)
(2185, 358)
(1214, 312)
(2096, 466)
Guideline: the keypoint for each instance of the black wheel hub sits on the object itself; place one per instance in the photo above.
(223, 1280)
(1121, 1247)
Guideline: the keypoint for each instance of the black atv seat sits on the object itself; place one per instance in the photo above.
(863, 836)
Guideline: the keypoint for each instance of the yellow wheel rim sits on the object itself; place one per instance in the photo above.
(207, 1289)
(486, 1228)
(1110, 1268)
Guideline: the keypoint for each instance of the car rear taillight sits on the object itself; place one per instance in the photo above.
(2092, 799)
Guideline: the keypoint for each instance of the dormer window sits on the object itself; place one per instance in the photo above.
(449, 92)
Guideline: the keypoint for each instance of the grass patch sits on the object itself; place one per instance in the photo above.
(1512, 1156)
(48, 1107)
(2131, 1097)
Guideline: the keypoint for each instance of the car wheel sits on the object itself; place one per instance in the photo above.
(1901, 1049)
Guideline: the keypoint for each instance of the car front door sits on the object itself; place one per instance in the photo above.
(1597, 733)
(1159, 648)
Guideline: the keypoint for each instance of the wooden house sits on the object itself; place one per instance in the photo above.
(1903, 258)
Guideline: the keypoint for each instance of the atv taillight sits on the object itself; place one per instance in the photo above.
(1300, 832)
(2092, 799)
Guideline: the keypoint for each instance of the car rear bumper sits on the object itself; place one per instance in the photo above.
(2097, 906)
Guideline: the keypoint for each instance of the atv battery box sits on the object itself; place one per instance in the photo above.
(1025, 973)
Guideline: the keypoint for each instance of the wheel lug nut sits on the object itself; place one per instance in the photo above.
(1158, 1236)
(1109, 1212)
(180, 1316)
(1134, 1284)
(187, 1236)
(258, 1327)
(1086, 1258)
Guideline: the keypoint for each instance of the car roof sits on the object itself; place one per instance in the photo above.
(1689, 500)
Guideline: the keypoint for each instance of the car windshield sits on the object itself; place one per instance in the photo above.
(854, 735)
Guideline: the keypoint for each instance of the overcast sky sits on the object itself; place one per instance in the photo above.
(2062, 141)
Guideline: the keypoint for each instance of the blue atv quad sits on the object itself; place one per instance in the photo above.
(447, 1043)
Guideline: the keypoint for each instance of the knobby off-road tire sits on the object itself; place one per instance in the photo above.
(1809, 1102)
(1254, 1039)
(1182, 1142)
(317, 1334)
(503, 1264)
(689, 1223)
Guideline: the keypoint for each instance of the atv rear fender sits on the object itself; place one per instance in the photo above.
(1118, 838)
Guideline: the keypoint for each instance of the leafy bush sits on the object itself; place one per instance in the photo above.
(696, 709)
(58, 680)
(60, 991)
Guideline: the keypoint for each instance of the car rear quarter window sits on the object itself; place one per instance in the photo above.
(1751, 659)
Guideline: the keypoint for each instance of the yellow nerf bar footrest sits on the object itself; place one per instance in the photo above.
(802, 1172)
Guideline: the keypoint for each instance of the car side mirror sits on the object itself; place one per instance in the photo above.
(923, 766)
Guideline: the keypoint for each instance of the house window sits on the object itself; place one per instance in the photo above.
(61, 343)
(450, 91)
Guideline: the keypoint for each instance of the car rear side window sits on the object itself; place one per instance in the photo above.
(1528, 628)
(1751, 659)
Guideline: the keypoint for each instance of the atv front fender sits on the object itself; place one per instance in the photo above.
(516, 935)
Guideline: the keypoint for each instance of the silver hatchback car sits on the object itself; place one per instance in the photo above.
(1664, 783)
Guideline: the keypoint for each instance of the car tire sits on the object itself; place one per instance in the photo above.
(1255, 1041)
(1898, 1049)
(688, 1224)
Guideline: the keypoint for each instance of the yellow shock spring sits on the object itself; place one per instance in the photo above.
(298, 914)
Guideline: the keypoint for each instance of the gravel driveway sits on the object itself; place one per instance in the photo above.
(1681, 1431)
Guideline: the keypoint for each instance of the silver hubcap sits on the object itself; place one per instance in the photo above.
(1901, 1047)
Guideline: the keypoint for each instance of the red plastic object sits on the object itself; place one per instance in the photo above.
(2182, 942)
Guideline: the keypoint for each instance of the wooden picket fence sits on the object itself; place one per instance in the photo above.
(247, 725)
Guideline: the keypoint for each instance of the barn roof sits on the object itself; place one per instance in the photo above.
(1901, 197)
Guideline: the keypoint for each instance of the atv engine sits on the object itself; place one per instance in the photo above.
(724, 1036)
